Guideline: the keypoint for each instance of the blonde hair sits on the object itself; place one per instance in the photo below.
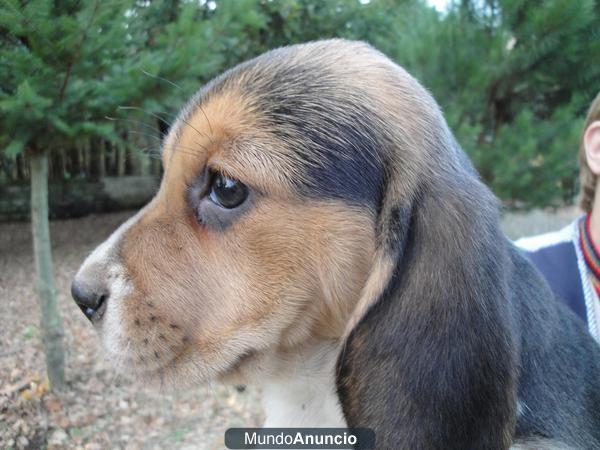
(587, 179)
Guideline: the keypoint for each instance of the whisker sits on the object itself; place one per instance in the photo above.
(148, 135)
(188, 153)
(207, 121)
(156, 133)
(198, 131)
(150, 113)
(137, 108)
(151, 75)
(179, 146)
(193, 153)
(135, 121)
(151, 152)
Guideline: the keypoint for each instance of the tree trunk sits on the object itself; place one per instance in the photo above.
(50, 321)
(121, 160)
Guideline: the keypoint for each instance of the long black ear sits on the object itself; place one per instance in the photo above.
(430, 363)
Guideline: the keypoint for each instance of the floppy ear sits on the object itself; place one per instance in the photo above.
(428, 361)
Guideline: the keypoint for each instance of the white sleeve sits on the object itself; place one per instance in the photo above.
(539, 241)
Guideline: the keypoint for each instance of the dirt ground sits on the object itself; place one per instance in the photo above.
(101, 410)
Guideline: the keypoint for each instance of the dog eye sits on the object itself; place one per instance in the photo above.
(227, 192)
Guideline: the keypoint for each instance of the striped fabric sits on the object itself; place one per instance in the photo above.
(590, 252)
(560, 257)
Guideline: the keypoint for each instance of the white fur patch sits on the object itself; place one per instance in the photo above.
(303, 392)
(103, 266)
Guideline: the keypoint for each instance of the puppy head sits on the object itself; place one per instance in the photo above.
(270, 226)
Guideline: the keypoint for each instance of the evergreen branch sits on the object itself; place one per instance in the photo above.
(77, 54)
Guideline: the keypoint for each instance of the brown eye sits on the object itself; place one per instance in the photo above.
(227, 192)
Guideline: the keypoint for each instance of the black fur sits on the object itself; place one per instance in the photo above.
(339, 150)
(466, 328)
(466, 348)
(559, 381)
(433, 363)
(339, 156)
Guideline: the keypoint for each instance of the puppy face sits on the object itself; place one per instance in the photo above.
(268, 219)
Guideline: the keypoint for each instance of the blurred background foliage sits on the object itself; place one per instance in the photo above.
(94, 84)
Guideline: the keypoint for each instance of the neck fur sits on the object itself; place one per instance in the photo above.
(300, 390)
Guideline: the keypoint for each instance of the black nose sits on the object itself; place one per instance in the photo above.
(92, 302)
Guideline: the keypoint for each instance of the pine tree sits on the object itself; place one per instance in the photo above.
(59, 77)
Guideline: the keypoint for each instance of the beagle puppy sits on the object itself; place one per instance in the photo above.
(318, 232)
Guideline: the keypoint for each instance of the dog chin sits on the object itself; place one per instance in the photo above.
(184, 369)
(173, 373)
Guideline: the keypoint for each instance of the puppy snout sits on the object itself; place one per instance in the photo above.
(90, 299)
(100, 276)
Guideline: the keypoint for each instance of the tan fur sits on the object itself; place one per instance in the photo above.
(185, 295)
(376, 283)
(289, 269)
(212, 296)
(347, 159)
